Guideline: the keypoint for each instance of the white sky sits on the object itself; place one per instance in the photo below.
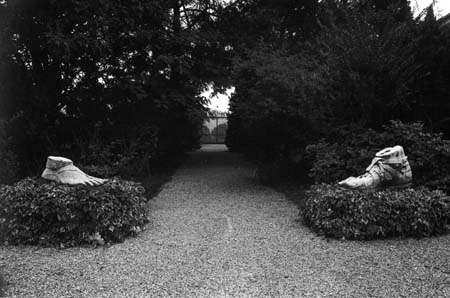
(219, 102)
(442, 7)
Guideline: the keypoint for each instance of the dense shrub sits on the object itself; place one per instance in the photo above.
(273, 106)
(333, 162)
(336, 212)
(2, 284)
(128, 153)
(9, 167)
(102, 171)
(8, 160)
(363, 67)
(350, 151)
(37, 212)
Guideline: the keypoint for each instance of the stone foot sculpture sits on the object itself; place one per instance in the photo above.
(62, 170)
(389, 169)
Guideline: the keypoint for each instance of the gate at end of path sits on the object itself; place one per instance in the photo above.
(214, 130)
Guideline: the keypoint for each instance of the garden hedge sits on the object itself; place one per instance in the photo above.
(356, 214)
(34, 211)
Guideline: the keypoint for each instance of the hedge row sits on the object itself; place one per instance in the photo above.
(38, 212)
(341, 213)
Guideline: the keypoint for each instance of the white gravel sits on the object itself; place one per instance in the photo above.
(215, 232)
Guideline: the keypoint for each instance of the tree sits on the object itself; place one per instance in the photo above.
(101, 70)
(359, 63)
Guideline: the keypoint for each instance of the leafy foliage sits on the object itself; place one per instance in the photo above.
(271, 105)
(8, 159)
(361, 66)
(340, 213)
(10, 167)
(35, 212)
(90, 73)
(2, 283)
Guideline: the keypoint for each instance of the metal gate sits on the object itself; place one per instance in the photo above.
(214, 130)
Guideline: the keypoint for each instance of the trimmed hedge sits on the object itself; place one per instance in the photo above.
(340, 213)
(38, 212)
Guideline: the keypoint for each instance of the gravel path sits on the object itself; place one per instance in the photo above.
(215, 232)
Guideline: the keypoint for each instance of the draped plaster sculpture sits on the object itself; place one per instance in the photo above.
(62, 170)
(389, 168)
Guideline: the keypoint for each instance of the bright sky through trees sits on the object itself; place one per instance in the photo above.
(442, 7)
(220, 101)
